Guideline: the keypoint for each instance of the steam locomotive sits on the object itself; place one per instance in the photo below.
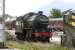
(33, 26)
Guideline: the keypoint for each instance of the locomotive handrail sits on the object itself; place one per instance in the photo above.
(44, 23)
(27, 28)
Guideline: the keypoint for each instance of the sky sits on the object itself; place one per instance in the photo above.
(21, 7)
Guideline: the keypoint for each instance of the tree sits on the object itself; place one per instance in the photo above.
(1, 19)
(56, 13)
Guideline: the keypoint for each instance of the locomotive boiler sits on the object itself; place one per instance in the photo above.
(33, 26)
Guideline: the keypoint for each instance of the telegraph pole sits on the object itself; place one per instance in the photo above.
(3, 35)
(4, 20)
(3, 11)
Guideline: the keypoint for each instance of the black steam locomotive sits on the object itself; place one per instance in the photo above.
(32, 26)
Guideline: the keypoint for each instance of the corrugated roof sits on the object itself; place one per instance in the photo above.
(9, 20)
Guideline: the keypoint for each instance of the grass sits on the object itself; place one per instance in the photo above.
(32, 46)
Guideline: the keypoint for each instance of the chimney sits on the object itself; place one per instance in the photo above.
(40, 12)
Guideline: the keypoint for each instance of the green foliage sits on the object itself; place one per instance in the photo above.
(1, 18)
(56, 13)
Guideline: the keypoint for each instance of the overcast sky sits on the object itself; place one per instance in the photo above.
(20, 7)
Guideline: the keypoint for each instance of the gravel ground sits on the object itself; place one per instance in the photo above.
(35, 46)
